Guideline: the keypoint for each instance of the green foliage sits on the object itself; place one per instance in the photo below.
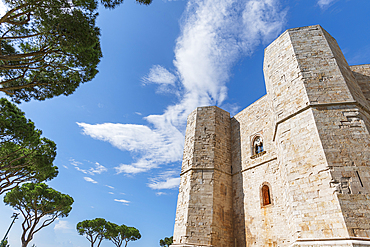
(37, 201)
(119, 234)
(98, 229)
(4, 243)
(49, 47)
(25, 156)
(166, 241)
(95, 230)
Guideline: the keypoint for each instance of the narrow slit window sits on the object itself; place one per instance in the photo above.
(266, 199)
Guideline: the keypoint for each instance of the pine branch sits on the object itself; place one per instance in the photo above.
(20, 37)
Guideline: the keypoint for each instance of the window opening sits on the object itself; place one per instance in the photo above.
(258, 145)
(266, 199)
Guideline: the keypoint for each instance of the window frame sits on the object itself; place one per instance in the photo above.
(254, 153)
(262, 198)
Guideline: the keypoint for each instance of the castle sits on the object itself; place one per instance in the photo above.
(293, 168)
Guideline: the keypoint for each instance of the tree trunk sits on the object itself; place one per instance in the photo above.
(24, 243)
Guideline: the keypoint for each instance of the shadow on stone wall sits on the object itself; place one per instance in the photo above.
(238, 195)
(364, 82)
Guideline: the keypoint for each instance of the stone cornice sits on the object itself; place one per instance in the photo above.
(204, 169)
(315, 106)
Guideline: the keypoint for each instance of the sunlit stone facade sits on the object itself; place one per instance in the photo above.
(293, 168)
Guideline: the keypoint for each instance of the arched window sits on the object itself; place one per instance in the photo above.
(257, 145)
(266, 196)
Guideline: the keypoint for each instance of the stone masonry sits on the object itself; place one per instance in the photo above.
(293, 168)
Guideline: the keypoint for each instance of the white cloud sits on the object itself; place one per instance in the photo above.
(62, 225)
(111, 193)
(160, 75)
(81, 170)
(110, 187)
(132, 169)
(90, 180)
(66, 167)
(166, 180)
(325, 3)
(160, 193)
(74, 162)
(77, 165)
(159, 146)
(125, 202)
(169, 183)
(3, 8)
(138, 113)
(92, 171)
(262, 21)
(98, 169)
(214, 35)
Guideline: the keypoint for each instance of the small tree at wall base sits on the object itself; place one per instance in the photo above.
(25, 156)
(166, 242)
(4, 243)
(49, 47)
(122, 234)
(94, 230)
(37, 201)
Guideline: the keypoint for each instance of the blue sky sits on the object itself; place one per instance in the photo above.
(120, 136)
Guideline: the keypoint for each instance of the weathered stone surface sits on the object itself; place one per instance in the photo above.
(204, 210)
(314, 123)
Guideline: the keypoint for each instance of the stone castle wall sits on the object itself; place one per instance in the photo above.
(308, 77)
(362, 76)
(254, 224)
(314, 122)
(204, 211)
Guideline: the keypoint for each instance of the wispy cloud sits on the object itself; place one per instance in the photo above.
(90, 180)
(74, 162)
(62, 225)
(124, 202)
(77, 165)
(166, 180)
(98, 169)
(159, 75)
(110, 187)
(163, 78)
(325, 3)
(80, 170)
(214, 35)
(111, 193)
(157, 147)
